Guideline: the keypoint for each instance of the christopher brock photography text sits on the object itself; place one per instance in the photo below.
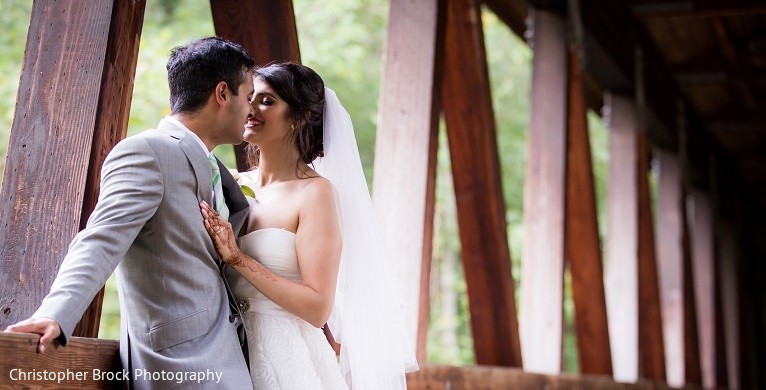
(68, 375)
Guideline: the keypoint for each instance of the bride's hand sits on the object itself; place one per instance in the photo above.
(221, 233)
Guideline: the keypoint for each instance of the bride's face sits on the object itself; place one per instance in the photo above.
(269, 121)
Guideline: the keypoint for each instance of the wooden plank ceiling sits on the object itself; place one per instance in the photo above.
(708, 55)
(716, 51)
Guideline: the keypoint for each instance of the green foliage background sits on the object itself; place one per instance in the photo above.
(343, 41)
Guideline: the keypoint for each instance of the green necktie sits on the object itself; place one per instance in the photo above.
(218, 202)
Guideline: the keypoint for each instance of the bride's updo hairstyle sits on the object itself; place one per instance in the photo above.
(303, 91)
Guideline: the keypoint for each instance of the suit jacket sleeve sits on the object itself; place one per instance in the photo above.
(131, 192)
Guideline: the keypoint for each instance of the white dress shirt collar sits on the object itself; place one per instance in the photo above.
(189, 133)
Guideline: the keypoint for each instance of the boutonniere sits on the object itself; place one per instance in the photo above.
(247, 191)
(243, 181)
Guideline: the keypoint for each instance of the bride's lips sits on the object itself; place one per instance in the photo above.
(254, 123)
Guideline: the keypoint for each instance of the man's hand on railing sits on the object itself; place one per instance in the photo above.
(47, 328)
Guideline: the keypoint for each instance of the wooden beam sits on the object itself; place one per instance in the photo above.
(670, 257)
(437, 377)
(84, 363)
(721, 369)
(696, 150)
(692, 370)
(112, 121)
(265, 28)
(583, 247)
(595, 25)
(609, 35)
(667, 9)
(621, 266)
(470, 121)
(405, 148)
(544, 198)
(726, 231)
(655, 81)
(650, 342)
(703, 244)
(73, 103)
(757, 250)
(730, 280)
(512, 13)
(749, 301)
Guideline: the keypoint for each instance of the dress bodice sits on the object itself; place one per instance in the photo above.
(273, 248)
(285, 351)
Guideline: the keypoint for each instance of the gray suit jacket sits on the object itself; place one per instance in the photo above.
(148, 226)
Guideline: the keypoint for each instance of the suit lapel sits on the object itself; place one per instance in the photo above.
(235, 200)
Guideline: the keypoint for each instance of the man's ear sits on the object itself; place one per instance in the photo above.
(222, 92)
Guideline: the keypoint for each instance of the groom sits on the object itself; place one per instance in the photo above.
(176, 313)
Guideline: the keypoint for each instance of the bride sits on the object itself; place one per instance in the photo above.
(312, 253)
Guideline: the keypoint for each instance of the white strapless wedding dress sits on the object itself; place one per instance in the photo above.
(286, 352)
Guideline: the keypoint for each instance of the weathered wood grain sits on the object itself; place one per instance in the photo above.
(542, 266)
(621, 266)
(477, 180)
(73, 99)
(405, 148)
(265, 28)
(93, 360)
(583, 247)
(650, 342)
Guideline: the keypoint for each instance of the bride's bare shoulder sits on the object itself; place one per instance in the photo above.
(318, 189)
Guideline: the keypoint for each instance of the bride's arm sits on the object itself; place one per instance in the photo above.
(318, 247)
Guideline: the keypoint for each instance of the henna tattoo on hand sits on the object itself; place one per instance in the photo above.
(226, 244)
(243, 261)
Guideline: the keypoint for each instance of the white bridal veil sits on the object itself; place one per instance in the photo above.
(367, 317)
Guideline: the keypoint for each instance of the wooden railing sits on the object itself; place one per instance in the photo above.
(435, 377)
(84, 363)
(87, 363)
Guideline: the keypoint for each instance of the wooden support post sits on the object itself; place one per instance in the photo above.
(721, 372)
(479, 199)
(703, 265)
(730, 280)
(692, 370)
(265, 28)
(757, 306)
(112, 121)
(749, 313)
(650, 343)
(621, 266)
(727, 232)
(670, 256)
(544, 197)
(73, 103)
(405, 149)
(583, 248)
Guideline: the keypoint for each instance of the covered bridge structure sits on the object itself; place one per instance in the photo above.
(679, 297)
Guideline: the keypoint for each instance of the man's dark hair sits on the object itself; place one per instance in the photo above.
(196, 68)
